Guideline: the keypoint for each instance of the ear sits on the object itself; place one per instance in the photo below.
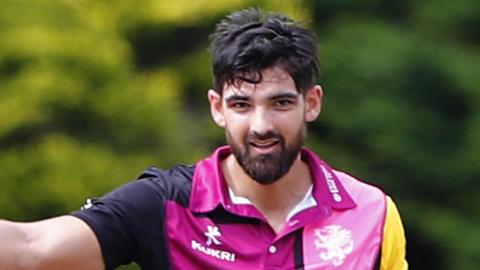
(216, 110)
(313, 103)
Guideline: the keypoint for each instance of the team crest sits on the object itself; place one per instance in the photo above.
(333, 243)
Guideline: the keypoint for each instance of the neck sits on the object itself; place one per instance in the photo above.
(274, 200)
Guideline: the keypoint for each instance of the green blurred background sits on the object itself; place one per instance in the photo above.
(92, 92)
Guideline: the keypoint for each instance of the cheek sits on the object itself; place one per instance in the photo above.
(237, 127)
(290, 121)
(291, 126)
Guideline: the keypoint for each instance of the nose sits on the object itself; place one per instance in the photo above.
(261, 122)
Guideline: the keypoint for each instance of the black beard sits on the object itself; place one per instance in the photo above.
(267, 168)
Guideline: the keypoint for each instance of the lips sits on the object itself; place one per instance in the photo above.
(264, 146)
(264, 143)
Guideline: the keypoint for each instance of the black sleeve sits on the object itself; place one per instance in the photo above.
(128, 223)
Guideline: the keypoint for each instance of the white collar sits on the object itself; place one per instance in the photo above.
(307, 202)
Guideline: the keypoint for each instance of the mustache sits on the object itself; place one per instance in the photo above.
(255, 136)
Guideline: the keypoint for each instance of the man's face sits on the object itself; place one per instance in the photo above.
(267, 166)
(265, 124)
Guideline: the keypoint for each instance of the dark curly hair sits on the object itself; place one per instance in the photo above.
(251, 40)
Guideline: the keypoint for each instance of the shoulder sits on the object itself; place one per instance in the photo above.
(172, 184)
(359, 190)
(369, 196)
(147, 193)
(129, 221)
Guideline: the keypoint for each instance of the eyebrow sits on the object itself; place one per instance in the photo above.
(284, 95)
(237, 97)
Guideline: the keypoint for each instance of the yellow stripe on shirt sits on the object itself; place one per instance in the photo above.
(393, 245)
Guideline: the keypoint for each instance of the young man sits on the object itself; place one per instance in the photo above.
(262, 202)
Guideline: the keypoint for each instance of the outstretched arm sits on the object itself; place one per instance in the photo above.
(64, 242)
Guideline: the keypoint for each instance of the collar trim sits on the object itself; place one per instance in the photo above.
(209, 188)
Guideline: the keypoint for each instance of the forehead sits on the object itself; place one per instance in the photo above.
(274, 80)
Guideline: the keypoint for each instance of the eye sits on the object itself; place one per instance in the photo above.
(239, 105)
(283, 103)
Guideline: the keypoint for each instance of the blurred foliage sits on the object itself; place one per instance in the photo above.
(92, 92)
